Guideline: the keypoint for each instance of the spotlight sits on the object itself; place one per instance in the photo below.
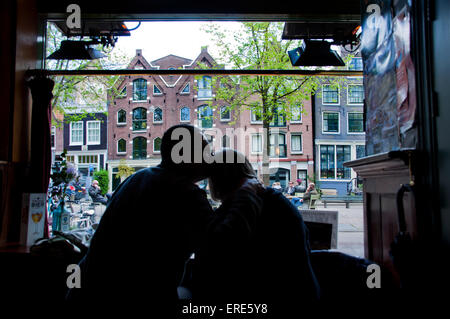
(315, 53)
(76, 50)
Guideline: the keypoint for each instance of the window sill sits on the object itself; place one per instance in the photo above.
(159, 122)
(140, 131)
(225, 120)
(331, 133)
(121, 153)
(257, 122)
(121, 124)
(139, 101)
(356, 133)
(296, 153)
(96, 143)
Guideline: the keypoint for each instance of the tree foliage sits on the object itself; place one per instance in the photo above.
(102, 177)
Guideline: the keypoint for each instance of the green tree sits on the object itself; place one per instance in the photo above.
(258, 45)
(124, 170)
(77, 96)
(102, 177)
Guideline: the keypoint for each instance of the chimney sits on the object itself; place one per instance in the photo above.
(205, 48)
(138, 52)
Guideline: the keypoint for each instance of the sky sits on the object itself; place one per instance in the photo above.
(158, 39)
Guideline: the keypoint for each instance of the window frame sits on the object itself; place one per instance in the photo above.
(117, 146)
(260, 143)
(189, 114)
(348, 94)
(348, 124)
(334, 179)
(188, 85)
(338, 95)
(301, 143)
(71, 142)
(134, 90)
(356, 69)
(229, 114)
(207, 88)
(99, 132)
(133, 150)
(153, 147)
(301, 116)
(200, 119)
(255, 121)
(339, 123)
(117, 119)
(53, 137)
(162, 116)
(277, 145)
(133, 120)
(160, 91)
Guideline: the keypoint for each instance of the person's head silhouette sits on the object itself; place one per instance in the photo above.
(185, 151)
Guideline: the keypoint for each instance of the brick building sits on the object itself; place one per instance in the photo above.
(149, 105)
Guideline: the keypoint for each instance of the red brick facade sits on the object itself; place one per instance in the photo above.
(170, 99)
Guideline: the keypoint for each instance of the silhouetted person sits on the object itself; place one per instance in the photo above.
(257, 248)
(137, 254)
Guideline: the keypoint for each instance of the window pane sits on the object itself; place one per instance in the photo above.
(296, 143)
(139, 148)
(296, 114)
(139, 90)
(355, 94)
(224, 113)
(156, 90)
(256, 116)
(184, 114)
(330, 95)
(327, 161)
(77, 132)
(356, 64)
(278, 149)
(121, 116)
(121, 146)
(342, 155)
(256, 143)
(302, 175)
(331, 122)
(186, 89)
(157, 115)
(139, 119)
(205, 116)
(93, 132)
(355, 123)
(204, 87)
(157, 144)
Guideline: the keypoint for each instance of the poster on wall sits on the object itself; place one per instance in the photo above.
(378, 52)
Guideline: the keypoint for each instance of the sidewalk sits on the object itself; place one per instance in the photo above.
(351, 228)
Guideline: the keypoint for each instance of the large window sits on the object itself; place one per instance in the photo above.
(277, 145)
(93, 132)
(330, 122)
(296, 143)
(205, 118)
(121, 146)
(257, 144)
(355, 123)
(185, 115)
(186, 89)
(139, 119)
(76, 133)
(332, 158)
(204, 87)
(156, 90)
(330, 94)
(157, 145)
(139, 148)
(140, 90)
(278, 119)
(327, 162)
(157, 115)
(302, 175)
(121, 117)
(355, 94)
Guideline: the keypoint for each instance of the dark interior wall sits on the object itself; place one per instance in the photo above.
(441, 71)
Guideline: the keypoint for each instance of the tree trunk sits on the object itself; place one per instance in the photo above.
(266, 152)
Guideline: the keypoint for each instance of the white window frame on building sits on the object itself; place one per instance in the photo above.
(225, 109)
(253, 117)
(188, 114)
(124, 112)
(258, 142)
(136, 90)
(296, 117)
(154, 143)
(338, 95)
(158, 109)
(188, 87)
(339, 123)
(117, 146)
(89, 130)
(335, 159)
(155, 87)
(81, 135)
(348, 123)
(348, 94)
(205, 87)
(53, 137)
(300, 151)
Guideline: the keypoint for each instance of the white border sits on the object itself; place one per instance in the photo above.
(185, 121)
(162, 115)
(153, 91)
(132, 93)
(339, 123)
(251, 144)
(220, 114)
(339, 95)
(153, 142)
(354, 133)
(348, 95)
(117, 146)
(99, 133)
(71, 143)
(117, 118)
